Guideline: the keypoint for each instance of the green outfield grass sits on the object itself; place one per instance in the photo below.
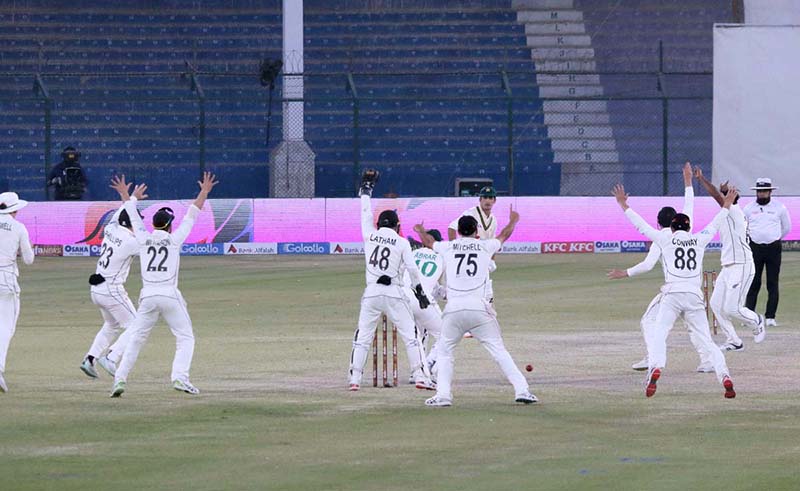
(273, 344)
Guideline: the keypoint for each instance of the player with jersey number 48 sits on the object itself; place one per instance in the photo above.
(160, 254)
(387, 255)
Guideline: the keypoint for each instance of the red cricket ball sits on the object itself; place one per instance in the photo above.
(529, 368)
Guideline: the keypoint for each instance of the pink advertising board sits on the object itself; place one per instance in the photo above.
(543, 219)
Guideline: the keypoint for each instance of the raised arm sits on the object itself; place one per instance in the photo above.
(206, 185)
(136, 221)
(641, 225)
(711, 229)
(643, 267)
(710, 189)
(513, 218)
(424, 237)
(122, 188)
(688, 191)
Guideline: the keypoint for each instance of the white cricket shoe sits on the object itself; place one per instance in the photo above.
(641, 365)
(118, 389)
(526, 398)
(705, 368)
(3, 386)
(437, 401)
(760, 331)
(771, 323)
(732, 347)
(185, 386)
(108, 365)
(87, 368)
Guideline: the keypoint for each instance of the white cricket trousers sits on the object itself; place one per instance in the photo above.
(429, 323)
(173, 308)
(650, 318)
(118, 313)
(398, 311)
(693, 309)
(483, 326)
(728, 299)
(9, 313)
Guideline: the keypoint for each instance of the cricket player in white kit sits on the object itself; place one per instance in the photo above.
(487, 226)
(387, 254)
(682, 261)
(738, 270)
(117, 251)
(428, 320)
(664, 220)
(468, 309)
(13, 239)
(160, 255)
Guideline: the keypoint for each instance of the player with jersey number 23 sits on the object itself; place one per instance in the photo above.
(160, 254)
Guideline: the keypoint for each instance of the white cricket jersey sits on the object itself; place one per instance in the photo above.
(466, 269)
(431, 267)
(767, 223)
(117, 250)
(160, 251)
(681, 252)
(385, 254)
(487, 224)
(733, 234)
(13, 239)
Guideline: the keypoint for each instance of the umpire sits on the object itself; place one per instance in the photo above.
(768, 222)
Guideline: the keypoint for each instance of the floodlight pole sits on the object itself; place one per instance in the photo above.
(40, 89)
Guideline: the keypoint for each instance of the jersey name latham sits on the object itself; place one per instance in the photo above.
(382, 240)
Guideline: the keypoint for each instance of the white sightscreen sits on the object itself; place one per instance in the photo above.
(757, 106)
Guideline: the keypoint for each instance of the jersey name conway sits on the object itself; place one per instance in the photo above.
(733, 235)
(116, 253)
(466, 269)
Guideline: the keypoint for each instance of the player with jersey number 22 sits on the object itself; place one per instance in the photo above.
(387, 255)
(160, 254)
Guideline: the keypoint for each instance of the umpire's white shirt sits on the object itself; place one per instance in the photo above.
(767, 223)
(13, 239)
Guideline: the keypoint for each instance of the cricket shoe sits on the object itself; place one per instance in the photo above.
(426, 384)
(437, 401)
(770, 323)
(3, 386)
(705, 368)
(185, 386)
(652, 378)
(526, 398)
(728, 384)
(354, 388)
(760, 331)
(119, 388)
(108, 365)
(87, 368)
(640, 366)
(732, 347)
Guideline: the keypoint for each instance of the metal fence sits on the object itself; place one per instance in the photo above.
(545, 133)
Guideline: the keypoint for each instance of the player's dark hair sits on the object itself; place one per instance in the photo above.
(125, 219)
(467, 226)
(388, 218)
(163, 218)
(680, 222)
(665, 216)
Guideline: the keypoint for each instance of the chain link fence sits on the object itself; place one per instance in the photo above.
(529, 133)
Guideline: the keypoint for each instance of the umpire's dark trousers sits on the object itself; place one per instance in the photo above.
(768, 255)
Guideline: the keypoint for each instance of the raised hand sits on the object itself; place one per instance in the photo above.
(687, 174)
(730, 197)
(139, 191)
(208, 182)
(120, 186)
(420, 227)
(698, 172)
(620, 196)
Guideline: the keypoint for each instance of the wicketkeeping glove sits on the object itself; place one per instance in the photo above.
(421, 298)
(368, 181)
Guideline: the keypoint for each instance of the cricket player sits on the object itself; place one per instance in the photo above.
(160, 256)
(682, 261)
(429, 320)
(387, 254)
(468, 309)
(664, 220)
(736, 275)
(487, 225)
(14, 239)
(117, 251)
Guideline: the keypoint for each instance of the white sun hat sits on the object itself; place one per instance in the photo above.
(10, 202)
(763, 184)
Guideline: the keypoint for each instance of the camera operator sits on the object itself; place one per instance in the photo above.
(67, 177)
